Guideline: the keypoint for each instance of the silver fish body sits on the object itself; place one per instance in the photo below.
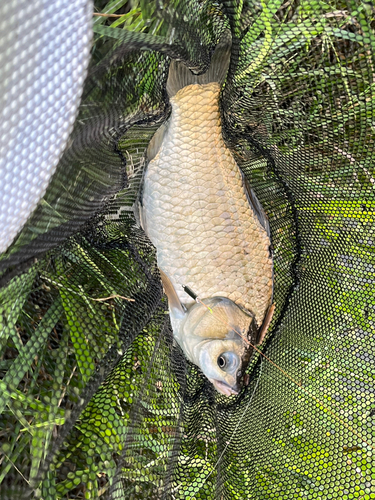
(196, 212)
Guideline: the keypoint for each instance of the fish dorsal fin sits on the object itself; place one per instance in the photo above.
(180, 75)
(170, 291)
(156, 142)
(255, 205)
(266, 323)
(263, 221)
(152, 150)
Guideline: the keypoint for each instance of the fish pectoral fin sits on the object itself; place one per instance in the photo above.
(174, 301)
(266, 323)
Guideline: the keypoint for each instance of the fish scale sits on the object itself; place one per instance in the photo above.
(197, 213)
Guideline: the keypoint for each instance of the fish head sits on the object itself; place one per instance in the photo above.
(215, 336)
(220, 361)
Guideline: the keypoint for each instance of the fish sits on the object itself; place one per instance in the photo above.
(210, 232)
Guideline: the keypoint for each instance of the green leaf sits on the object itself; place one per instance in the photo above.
(11, 455)
(28, 352)
(144, 40)
(12, 300)
(42, 430)
(79, 323)
(110, 8)
(346, 35)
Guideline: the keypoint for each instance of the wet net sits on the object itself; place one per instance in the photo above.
(96, 398)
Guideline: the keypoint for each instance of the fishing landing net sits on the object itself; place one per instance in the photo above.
(96, 399)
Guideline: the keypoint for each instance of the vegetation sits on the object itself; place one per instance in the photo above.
(303, 88)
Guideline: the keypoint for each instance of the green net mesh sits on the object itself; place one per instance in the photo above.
(96, 398)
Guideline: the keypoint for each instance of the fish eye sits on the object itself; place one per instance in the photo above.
(221, 361)
(228, 361)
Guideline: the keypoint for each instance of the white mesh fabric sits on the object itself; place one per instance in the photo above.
(44, 53)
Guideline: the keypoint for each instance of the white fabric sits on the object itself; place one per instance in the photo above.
(44, 54)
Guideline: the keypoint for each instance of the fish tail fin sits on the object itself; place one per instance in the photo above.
(180, 76)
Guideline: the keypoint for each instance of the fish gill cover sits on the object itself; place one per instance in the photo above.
(97, 400)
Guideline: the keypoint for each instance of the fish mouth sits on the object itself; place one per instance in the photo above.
(224, 388)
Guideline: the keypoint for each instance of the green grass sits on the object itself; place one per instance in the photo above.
(278, 441)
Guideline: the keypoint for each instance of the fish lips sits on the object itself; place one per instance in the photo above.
(227, 389)
(224, 388)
